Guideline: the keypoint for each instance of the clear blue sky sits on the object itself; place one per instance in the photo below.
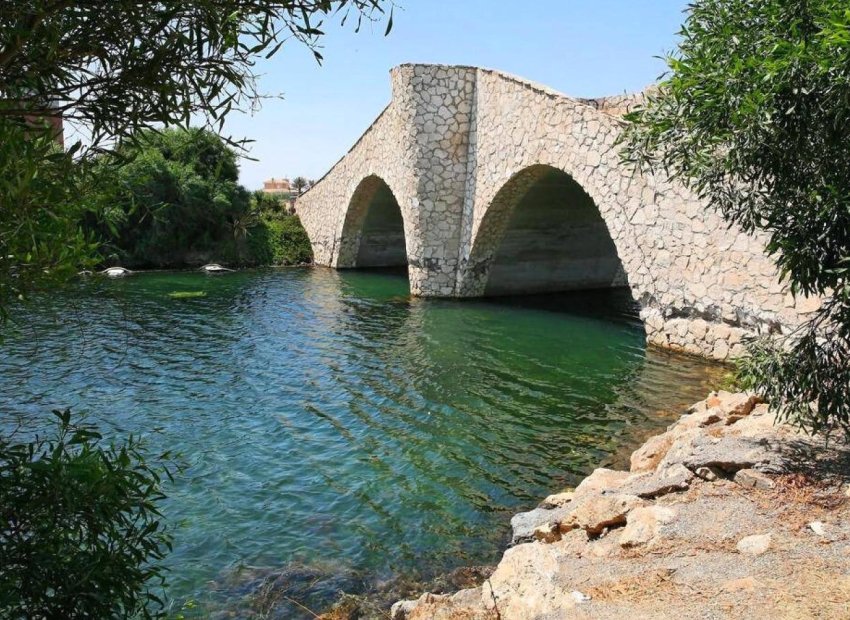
(584, 48)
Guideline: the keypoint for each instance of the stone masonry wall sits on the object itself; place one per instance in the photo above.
(459, 147)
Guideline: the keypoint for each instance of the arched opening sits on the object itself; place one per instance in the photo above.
(373, 233)
(547, 235)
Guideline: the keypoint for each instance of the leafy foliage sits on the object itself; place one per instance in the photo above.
(269, 204)
(754, 115)
(810, 379)
(113, 70)
(41, 242)
(172, 196)
(81, 531)
(170, 193)
(187, 59)
(280, 241)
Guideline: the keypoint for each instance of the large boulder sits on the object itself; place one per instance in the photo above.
(600, 481)
(649, 455)
(728, 453)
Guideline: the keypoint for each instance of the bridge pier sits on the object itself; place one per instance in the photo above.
(486, 184)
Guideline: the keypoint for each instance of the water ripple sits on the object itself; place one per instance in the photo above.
(329, 417)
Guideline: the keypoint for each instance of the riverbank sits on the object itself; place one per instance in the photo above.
(726, 514)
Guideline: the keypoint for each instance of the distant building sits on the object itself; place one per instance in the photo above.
(277, 186)
(50, 119)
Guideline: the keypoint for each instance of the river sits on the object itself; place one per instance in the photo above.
(337, 432)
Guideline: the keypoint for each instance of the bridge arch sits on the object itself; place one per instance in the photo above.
(542, 232)
(462, 148)
(374, 229)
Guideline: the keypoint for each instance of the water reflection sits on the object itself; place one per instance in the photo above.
(329, 417)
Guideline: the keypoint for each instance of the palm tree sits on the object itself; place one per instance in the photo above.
(299, 184)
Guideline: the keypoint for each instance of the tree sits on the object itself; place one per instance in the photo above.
(113, 69)
(81, 532)
(187, 58)
(754, 115)
(43, 196)
(280, 240)
(299, 184)
(168, 194)
(267, 203)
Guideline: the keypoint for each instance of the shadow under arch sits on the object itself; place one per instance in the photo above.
(373, 231)
(543, 233)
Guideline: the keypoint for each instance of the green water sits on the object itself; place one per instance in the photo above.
(337, 431)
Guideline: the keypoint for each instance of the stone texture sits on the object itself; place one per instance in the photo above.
(558, 499)
(595, 514)
(643, 523)
(601, 480)
(650, 485)
(525, 524)
(753, 479)
(647, 457)
(754, 545)
(709, 473)
(726, 453)
(460, 147)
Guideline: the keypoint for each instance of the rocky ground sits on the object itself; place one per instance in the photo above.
(725, 515)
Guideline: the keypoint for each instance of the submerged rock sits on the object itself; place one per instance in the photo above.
(289, 592)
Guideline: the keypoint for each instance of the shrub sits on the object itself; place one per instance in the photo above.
(280, 241)
(169, 194)
(81, 533)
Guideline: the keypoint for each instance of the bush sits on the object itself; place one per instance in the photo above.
(280, 241)
(169, 195)
(269, 205)
(81, 533)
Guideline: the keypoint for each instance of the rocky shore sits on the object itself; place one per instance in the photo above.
(725, 515)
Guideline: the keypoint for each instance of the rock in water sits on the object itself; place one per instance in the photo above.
(215, 268)
(116, 272)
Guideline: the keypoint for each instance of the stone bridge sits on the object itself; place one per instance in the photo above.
(486, 184)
